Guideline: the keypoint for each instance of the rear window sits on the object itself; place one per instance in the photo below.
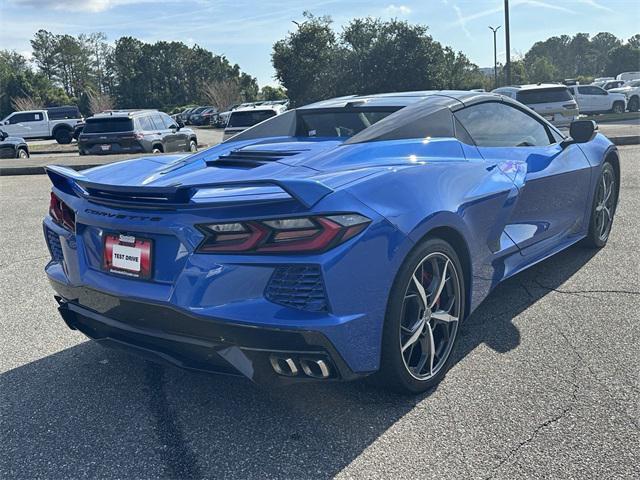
(543, 95)
(338, 124)
(108, 125)
(249, 118)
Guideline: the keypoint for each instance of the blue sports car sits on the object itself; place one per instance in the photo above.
(339, 240)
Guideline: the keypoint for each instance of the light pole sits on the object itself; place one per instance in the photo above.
(507, 42)
(495, 55)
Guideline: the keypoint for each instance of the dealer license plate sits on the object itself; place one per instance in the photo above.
(127, 255)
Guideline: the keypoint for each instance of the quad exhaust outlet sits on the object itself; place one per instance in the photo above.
(316, 368)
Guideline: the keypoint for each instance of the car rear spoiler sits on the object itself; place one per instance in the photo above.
(306, 192)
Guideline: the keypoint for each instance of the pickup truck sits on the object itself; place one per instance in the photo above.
(632, 91)
(55, 122)
(593, 99)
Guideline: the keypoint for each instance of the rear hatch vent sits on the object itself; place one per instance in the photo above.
(250, 158)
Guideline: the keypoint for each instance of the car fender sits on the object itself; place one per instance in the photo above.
(464, 197)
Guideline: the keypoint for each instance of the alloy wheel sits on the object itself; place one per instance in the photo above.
(605, 202)
(430, 316)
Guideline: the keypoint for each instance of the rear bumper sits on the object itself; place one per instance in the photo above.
(168, 335)
(115, 148)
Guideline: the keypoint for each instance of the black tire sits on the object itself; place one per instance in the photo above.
(603, 208)
(396, 363)
(634, 104)
(63, 136)
(192, 146)
(618, 107)
(157, 149)
(22, 153)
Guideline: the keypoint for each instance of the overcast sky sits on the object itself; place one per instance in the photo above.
(245, 30)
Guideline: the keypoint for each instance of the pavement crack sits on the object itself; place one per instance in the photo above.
(584, 362)
(22, 260)
(179, 459)
(578, 292)
(550, 421)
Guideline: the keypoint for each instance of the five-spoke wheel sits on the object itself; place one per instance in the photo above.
(426, 305)
(605, 202)
(430, 315)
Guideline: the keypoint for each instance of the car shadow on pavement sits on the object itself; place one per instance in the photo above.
(91, 412)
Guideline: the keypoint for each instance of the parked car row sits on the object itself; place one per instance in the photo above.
(195, 115)
(561, 104)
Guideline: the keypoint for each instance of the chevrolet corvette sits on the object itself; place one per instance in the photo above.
(343, 239)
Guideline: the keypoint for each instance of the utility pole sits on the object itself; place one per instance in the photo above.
(495, 55)
(507, 42)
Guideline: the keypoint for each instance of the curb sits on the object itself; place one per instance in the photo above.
(626, 140)
(39, 170)
(50, 152)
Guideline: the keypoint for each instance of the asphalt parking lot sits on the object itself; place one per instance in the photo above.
(545, 385)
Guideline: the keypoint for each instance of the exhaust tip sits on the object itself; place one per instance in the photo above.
(284, 366)
(315, 368)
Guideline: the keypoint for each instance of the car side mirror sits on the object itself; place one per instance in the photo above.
(3, 134)
(581, 131)
(180, 124)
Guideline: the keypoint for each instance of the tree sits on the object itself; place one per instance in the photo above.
(625, 58)
(542, 70)
(381, 56)
(601, 46)
(222, 94)
(272, 93)
(460, 73)
(305, 60)
(99, 102)
(18, 80)
(634, 41)
(45, 50)
(21, 104)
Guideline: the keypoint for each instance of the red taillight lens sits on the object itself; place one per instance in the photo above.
(62, 213)
(285, 235)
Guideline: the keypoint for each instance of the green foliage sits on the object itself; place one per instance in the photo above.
(272, 93)
(625, 58)
(17, 80)
(563, 57)
(305, 60)
(132, 73)
(368, 56)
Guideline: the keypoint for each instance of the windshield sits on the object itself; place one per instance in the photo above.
(108, 125)
(338, 123)
(544, 95)
(249, 118)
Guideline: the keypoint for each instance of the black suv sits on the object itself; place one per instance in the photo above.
(135, 131)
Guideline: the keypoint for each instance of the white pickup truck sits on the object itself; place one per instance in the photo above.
(593, 99)
(632, 91)
(55, 122)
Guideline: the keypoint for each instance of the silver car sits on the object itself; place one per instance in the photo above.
(552, 101)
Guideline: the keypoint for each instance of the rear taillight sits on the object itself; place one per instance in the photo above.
(62, 213)
(284, 235)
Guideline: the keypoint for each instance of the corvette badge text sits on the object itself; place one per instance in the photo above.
(119, 216)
